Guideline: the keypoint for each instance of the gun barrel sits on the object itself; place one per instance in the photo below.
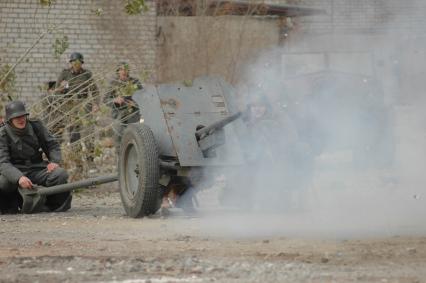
(75, 185)
(217, 125)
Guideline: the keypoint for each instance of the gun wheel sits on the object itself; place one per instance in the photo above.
(139, 171)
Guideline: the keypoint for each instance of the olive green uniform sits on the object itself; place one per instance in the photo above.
(81, 87)
(21, 155)
(126, 113)
(81, 90)
(124, 89)
(80, 83)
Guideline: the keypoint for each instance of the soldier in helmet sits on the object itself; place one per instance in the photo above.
(119, 98)
(22, 144)
(78, 88)
(77, 80)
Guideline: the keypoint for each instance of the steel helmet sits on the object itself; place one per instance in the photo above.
(15, 109)
(76, 56)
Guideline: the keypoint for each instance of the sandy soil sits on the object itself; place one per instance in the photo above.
(96, 242)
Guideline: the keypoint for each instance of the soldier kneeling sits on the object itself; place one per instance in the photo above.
(22, 143)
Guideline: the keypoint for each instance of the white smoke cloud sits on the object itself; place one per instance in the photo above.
(344, 155)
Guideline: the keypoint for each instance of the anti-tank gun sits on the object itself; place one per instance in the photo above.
(184, 128)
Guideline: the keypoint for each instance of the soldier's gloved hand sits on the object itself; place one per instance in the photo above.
(52, 166)
(25, 183)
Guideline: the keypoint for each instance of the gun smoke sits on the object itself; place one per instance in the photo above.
(342, 154)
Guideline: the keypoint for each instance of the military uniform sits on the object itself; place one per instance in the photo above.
(81, 87)
(21, 155)
(126, 113)
(80, 83)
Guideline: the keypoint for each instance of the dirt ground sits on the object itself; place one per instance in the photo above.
(96, 242)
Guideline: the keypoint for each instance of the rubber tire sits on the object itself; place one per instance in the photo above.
(145, 200)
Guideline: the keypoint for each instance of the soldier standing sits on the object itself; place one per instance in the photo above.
(124, 109)
(22, 143)
(77, 86)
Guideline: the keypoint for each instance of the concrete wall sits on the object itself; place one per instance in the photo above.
(104, 40)
(193, 46)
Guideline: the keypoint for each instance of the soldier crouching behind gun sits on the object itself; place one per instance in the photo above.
(22, 142)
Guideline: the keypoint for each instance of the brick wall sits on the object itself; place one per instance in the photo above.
(104, 40)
